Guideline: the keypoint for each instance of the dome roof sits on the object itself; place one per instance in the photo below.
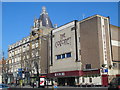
(44, 18)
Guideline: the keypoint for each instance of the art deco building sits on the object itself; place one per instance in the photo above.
(85, 52)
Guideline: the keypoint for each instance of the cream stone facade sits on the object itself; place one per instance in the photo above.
(27, 58)
(92, 50)
(64, 43)
(115, 41)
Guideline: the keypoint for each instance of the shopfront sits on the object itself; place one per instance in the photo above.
(72, 78)
(66, 81)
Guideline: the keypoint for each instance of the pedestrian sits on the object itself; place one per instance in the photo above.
(55, 86)
(33, 84)
(2, 82)
(21, 83)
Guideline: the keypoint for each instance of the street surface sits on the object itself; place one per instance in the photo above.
(28, 87)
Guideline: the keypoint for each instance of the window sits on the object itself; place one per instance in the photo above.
(23, 57)
(19, 57)
(37, 53)
(114, 65)
(80, 52)
(119, 66)
(15, 51)
(58, 56)
(15, 60)
(90, 79)
(63, 56)
(33, 45)
(10, 54)
(36, 44)
(24, 48)
(20, 50)
(83, 80)
(27, 47)
(68, 55)
(33, 54)
(73, 28)
(88, 66)
(27, 56)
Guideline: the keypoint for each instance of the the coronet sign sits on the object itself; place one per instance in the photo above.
(64, 40)
(63, 36)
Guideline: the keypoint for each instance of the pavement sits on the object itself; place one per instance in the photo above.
(18, 86)
(28, 86)
(62, 88)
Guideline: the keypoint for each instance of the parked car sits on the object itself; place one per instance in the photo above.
(115, 83)
(4, 87)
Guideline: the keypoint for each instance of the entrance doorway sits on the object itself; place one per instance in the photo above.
(61, 81)
(69, 81)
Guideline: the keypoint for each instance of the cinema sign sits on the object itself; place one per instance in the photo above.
(63, 40)
(63, 35)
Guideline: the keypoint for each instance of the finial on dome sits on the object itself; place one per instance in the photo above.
(44, 10)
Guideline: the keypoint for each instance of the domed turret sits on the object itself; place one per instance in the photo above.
(44, 18)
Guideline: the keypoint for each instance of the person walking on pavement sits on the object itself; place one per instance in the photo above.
(21, 83)
(33, 84)
(55, 86)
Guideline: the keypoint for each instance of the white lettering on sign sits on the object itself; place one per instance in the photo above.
(63, 41)
(59, 74)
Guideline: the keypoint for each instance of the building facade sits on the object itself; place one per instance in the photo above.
(27, 57)
(115, 31)
(2, 70)
(79, 52)
(84, 52)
